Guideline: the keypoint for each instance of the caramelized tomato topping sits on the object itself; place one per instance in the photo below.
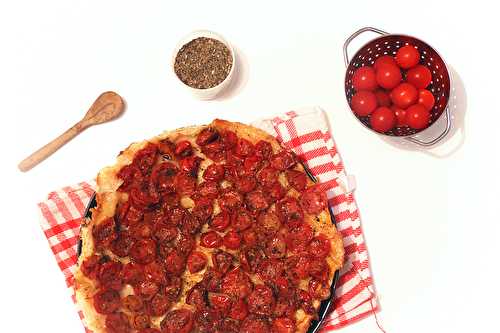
(262, 224)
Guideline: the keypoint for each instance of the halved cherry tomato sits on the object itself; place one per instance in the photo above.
(249, 237)
(417, 116)
(420, 76)
(407, 56)
(383, 119)
(388, 76)
(196, 261)
(214, 172)
(210, 239)
(320, 246)
(283, 325)
(239, 310)
(178, 321)
(384, 60)
(183, 148)
(219, 301)
(364, 79)
(426, 98)
(232, 240)
(383, 98)
(363, 103)
(221, 221)
(404, 95)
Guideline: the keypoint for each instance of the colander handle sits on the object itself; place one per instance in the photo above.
(437, 139)
(356, 34)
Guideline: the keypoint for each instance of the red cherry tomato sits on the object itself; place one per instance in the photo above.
(400, 116)
(220, 301)
(221, 221)
(232, 240)
(320, 246)
(384, 60)
(426, 98)
(388, 76)
(210, 239)
(383, 119)
(417, 116)
(283, 325)
(363, 103)
(239, 310)
(420, 76)
(383, 98)
(404, 95)
(196, 261)
(364, 79)
(407, 57)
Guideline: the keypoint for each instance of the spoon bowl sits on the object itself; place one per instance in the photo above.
(107, 106)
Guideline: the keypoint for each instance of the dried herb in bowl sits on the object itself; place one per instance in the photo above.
(203, 63)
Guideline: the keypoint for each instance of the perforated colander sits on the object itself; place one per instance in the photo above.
(388, 44)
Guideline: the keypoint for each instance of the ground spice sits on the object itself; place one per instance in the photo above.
(203, 63)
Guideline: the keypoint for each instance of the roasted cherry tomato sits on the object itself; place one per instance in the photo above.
(221, 221)
(117, 322)
(219, 301)
(417, 116)
(388, 76)
(384, 60)
(183, 148)
(364, 79)
(107, 301)
(283, 325)
(177, 321)
(383, 98)
(400, 116)
(236, 283)
(196, 261)
(261, 300)
(244, 148)
(232, 240)
(404, 95)
(222, 261)
(214, 172)
(426, 98)
(383, 119)
(420, 76)
(133, 303)
(363, 103)
(210, 239)
(149, 330)
(239, 310)
(407, 56)
(320, 246)
(254, 325)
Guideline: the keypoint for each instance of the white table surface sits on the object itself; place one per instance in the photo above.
(430, 218)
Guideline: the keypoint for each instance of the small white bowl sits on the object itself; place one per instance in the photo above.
(209, 93)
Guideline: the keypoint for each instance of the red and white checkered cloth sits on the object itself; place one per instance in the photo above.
(307, 133)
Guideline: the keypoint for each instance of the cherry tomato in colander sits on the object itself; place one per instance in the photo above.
(417, 116)
(388, 76)
(363, 103)
(383, 119)
(420, 76)
(407, 56)
(364, 79)
(426, 98)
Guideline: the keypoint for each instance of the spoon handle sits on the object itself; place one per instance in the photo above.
(51, 147)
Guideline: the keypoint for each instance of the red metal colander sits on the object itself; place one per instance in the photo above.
(388, 44)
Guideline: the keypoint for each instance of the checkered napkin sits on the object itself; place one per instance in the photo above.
(307, 133)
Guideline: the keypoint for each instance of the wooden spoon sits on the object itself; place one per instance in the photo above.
(107, 106)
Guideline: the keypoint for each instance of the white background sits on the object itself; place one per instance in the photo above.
(430, 218)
